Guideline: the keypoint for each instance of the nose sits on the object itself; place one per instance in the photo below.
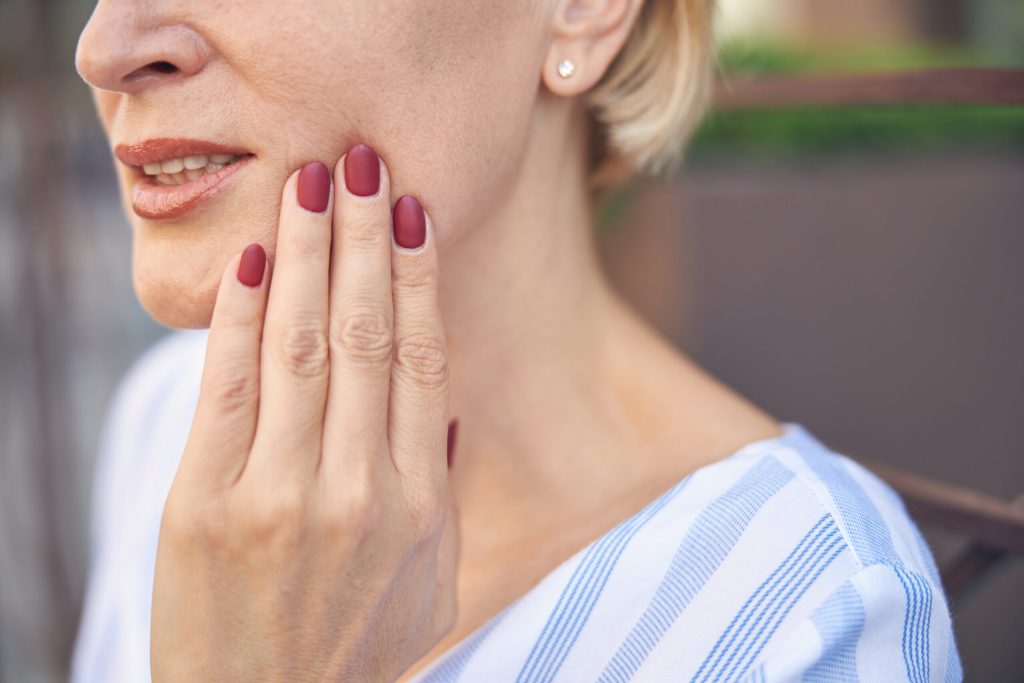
(128, 46)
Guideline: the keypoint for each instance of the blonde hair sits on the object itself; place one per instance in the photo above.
(654, 94)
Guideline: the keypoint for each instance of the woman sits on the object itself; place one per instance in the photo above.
(608, 510)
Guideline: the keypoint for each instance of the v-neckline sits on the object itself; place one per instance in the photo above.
(791, 432)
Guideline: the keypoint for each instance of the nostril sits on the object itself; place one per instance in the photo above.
(163, 67)
(160, 67)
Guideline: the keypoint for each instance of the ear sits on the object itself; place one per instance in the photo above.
(589, 34)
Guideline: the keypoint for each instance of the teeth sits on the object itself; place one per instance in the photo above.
(172, 165)
(196, 162)
(187, 169)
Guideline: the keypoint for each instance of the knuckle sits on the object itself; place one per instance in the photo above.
(363, 229)
(415, 276)
(232, 387)
(302, 347)
(281, 515)
(363, 336)
(355, 514)
(423, 357)
(195, 525)
(307, 244)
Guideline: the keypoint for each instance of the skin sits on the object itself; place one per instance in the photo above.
(573, 412)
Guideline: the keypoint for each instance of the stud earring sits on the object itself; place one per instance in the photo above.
(566, 68)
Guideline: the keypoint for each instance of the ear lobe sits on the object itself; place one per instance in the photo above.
(588, 34)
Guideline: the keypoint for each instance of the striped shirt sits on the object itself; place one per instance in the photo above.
(783, 561)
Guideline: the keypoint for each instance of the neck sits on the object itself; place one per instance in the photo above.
(567, 401)
(527, 309)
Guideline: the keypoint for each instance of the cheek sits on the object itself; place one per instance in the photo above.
(448, 112)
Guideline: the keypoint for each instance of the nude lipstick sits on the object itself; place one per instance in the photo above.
(174, 175)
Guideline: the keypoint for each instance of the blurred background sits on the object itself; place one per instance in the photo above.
(850, 262)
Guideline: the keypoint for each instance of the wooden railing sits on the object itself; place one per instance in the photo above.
(994, 528)
(976, 86)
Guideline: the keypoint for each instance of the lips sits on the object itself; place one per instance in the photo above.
(152, 199)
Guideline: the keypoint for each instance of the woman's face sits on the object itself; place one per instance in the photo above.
(442, 89)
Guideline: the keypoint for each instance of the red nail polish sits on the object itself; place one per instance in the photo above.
(362, 171)
(252, 265)
(314, 187)
(452, 428)
(410, 224)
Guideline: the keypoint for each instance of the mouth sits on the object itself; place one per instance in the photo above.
(172, 176)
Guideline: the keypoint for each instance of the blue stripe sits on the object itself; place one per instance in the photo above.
(815, 535)
(721, 645)
(779, 613)
(706, 544)
(584, 588)
(840, 622)
(858, 515)
(907, 656)
(916, 624)
(822, 543)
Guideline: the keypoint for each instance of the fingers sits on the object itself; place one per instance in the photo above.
(225, 421)
(418, 429)
(295, 352)
(361, 321)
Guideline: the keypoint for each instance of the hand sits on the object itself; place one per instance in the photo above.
(309, 534)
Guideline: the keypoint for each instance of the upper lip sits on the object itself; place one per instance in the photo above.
(152, 150)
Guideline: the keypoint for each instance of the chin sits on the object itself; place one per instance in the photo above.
(177, 265)
(175, 290)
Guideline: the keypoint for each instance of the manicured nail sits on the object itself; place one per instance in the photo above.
(251, 266)
(362, 171)
(314, 187)
(452, 429)
(410, 224)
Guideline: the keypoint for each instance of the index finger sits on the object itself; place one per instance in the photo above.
(225, 419)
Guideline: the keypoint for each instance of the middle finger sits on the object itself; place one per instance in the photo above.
(294, 361)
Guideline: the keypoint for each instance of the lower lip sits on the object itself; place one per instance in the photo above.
(155, 201)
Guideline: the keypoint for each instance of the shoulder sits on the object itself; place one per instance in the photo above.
(165, 361)
(151, 397)
(868, 513)
(885, 614)
(145, 427)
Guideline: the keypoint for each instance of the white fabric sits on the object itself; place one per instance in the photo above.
(784, 561)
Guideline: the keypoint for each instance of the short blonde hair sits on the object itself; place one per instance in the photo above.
(654, 94)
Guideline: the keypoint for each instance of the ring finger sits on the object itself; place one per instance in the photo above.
(361, 319)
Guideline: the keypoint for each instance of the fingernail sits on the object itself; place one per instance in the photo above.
(410, 225)
(314, 187)
(362, 171)
(452, 428)
(251, 265)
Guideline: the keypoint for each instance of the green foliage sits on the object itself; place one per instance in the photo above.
(820, 131)
(746, 57)
(859, 130)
